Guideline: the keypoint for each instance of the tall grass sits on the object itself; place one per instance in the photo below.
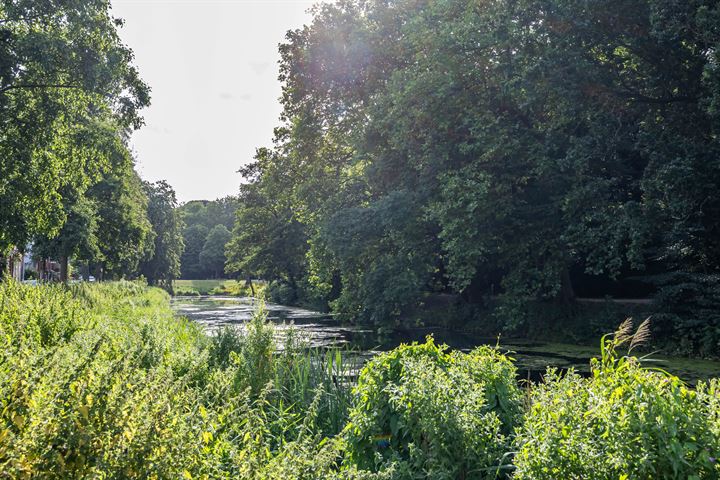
(624, 422)
(103, 381)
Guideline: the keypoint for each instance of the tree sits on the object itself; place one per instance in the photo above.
(77, 238)
(199, 217)
(125, 234)
(212, 256)
(67, 87)
(267, 241)
(164, 265)
(510, 147)
(107, 225)
(194, 237)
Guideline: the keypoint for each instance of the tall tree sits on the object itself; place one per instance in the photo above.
(488, 147)
(125, 234)
(164, 265)
(194, 237)
(66, 81)
(199, 218)
(268, 241)
(77, 237)
(212, 255)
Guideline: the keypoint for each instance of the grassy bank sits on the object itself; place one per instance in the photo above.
(102, 381)
(216, 287)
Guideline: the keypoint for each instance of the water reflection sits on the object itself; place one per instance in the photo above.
(322, 330)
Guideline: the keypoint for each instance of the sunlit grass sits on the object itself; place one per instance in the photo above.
(216, 287)
(104, 381)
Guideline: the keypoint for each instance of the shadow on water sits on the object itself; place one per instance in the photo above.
(321, 330)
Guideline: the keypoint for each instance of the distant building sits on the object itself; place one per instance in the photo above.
(16, 264)
(22, 265)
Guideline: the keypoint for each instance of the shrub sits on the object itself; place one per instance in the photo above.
(423, 411)
(282, 293)
(93, 386)
(688, 313)
(625, 421)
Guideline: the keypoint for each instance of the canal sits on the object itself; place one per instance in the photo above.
(532, 357)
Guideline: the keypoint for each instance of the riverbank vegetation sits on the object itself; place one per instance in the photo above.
(103, 381)
(505, 153)
(219, 287)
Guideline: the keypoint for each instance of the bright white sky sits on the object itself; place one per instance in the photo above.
(212, 67)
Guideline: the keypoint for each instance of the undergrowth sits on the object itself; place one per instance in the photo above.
(103, 381)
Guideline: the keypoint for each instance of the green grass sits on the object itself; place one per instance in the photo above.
(104, 381)
(216, 287)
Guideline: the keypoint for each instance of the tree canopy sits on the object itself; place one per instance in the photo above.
(517, 148)
(164, 265)
(200, 217)
(212, 255)
(68, 92)
(70, 96)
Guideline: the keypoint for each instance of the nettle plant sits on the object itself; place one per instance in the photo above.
(624, 422)
(423, 411)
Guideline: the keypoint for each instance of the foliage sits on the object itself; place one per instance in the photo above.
(218, 287)
(125, 234)
(77, 238)
(267, 242)
(89, 382)
(200, 217)
(107, 226)
(68, 92)
(102, 380)
(521, 148)
(212, 255)
(164, 265)
(624, 421)
(442, 415)
(194, 239)
(688, 306)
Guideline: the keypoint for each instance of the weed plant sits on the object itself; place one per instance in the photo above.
(624, 422)
(424, 411)
(103, 381)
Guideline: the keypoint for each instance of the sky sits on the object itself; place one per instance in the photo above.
(212, 66)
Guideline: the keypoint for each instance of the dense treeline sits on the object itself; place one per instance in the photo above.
(69, 98)
(102, 381)
(526, 149)
(206, 230)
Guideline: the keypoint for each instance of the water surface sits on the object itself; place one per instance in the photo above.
(322, 330)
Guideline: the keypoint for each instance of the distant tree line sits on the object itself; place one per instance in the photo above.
(206, 230)
(520, 149)
(69, 98)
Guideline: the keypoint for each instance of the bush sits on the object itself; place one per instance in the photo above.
(281, 293)
(625, 422)
(423, 411)
(103, 381)
(688, 313)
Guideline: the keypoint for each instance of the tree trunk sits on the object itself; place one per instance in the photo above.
(293, 286)
(567, 293)
(248, 283)
(64, 268)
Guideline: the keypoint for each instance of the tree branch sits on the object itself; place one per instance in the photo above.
(38, 85)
